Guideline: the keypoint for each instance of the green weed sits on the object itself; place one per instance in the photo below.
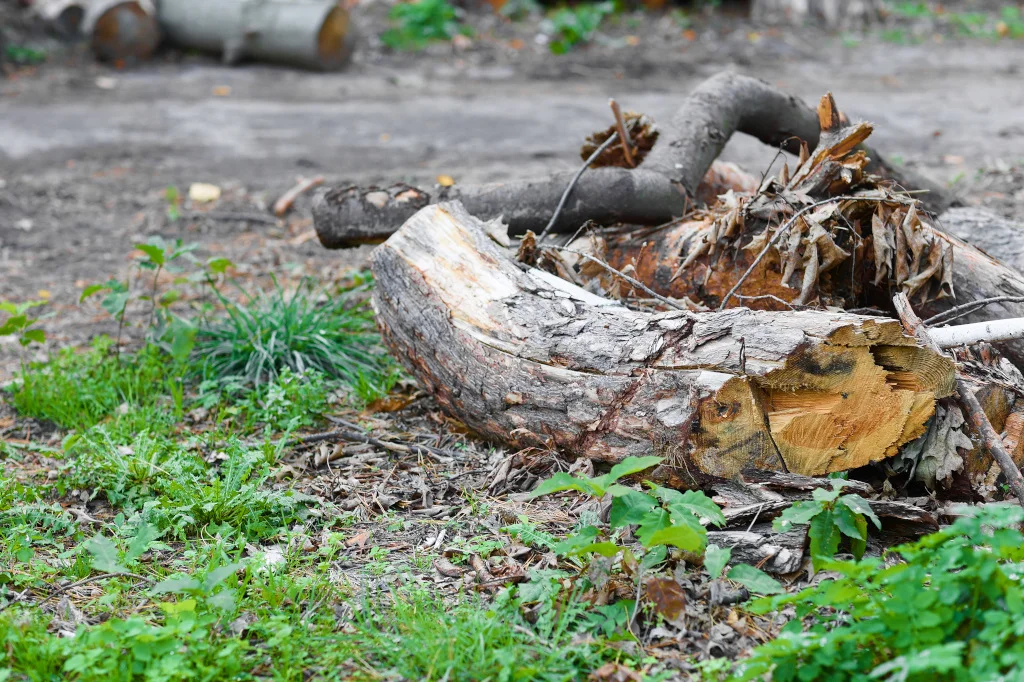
(254, 342)
(950, 609)
(829, 517)
(78, 390)
(417, 23)
(571, 26)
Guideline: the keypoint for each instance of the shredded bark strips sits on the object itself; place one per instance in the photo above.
(531, 360)
(827, 233)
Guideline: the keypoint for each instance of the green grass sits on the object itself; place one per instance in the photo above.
(274, 331)
(76, 390)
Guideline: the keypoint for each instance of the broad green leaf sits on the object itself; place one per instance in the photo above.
(223, 600)
(800, 514)
(186, 585)
(153, 252)
(170, 296)
(656, 520)
(219, 574)
(632, 465)
(603, 548)
(617, 490)
(562, 481)
(630, 508)
(115, 302)
(91, 290)
(14, 324)
(218, 266)
(857, 546)
(849, 523)
(754, 579)
(182, 339)
(859, 505)
(104, 555)
(828, 494)
(682, 537)
(654, 557)
(36, 335)
(141, 542)
(824, 537)
(695, 502)
(715, 560)
(574, 542)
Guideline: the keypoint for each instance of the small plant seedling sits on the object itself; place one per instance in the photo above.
(829, 516)
(417, 23)
(949, 609)
(571, 26)
(18, 323)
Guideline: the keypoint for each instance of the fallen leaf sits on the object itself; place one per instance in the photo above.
(44, 293)
(445, 180)
(614, 672)
(221, 90)
(668, 597)
(359, 539)
(447, 568)
(202, 193)
(690, 34)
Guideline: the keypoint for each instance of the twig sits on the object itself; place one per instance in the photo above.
(634, 282)
(990, 332)
(437, 454)
(284, 203)
(620, 126)
(102, 576)
(785, 228)
(975, 413)
(956, 312)
(769, 297)
(572, 184)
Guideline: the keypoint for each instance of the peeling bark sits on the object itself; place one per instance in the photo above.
(528, 359)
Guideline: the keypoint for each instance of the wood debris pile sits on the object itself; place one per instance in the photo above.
(757, 334)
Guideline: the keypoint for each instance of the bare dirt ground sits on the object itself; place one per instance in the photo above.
(87, 152)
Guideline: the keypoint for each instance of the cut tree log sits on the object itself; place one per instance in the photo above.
(662, 188)
(528, 359)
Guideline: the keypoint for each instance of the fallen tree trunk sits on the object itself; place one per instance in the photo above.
(527, 359)
(664, 187)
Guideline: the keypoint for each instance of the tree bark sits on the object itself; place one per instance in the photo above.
(664, 187)
(527, 359)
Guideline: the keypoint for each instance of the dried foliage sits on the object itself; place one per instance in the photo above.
(826, 233)
(642, 133)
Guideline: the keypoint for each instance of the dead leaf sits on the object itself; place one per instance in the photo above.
(447, 568)
(614, 672)
(667, 596)
(359, 539)
(445, 180)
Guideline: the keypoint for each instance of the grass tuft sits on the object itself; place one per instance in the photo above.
(274, 331)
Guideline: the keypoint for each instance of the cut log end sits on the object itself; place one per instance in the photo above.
(530, 360)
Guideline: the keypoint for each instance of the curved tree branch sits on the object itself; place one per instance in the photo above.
(664, 187)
